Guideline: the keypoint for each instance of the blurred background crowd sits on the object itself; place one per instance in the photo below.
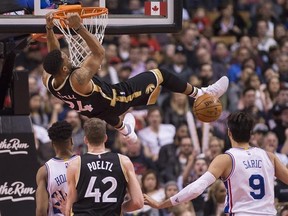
(246, 40)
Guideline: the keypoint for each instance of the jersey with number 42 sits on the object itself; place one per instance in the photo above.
(250, 185)
(101, 186)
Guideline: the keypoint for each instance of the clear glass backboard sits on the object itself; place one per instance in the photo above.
(125, 16)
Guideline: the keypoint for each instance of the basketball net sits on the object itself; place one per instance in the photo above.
(94, 20)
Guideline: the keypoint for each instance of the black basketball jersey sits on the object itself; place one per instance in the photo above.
(101, 186)
(92, 105)
(107, 101)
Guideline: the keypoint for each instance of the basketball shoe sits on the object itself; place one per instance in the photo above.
(218, 88)
(129, 121)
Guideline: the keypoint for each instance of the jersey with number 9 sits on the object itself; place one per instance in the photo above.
(251, 182)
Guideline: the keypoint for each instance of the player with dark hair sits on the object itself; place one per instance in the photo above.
(84, 92)
(98, 180)
(248, 174)
(51, 177)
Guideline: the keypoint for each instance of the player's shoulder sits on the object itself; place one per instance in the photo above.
(42, 173)
(223, 157)
(125, 161)
(74, 162)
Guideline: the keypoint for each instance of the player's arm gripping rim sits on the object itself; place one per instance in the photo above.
(81, 78)
(52, 41)
(42, 197)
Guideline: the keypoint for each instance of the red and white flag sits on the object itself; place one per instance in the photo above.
(154, 8)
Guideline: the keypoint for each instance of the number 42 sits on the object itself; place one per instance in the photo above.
(96, 193)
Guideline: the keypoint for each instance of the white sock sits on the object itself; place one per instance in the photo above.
(197, 92)
(124, 129)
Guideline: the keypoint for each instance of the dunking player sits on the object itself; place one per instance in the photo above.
(51, 177)
(85, 93)
(248, 174)
(98, 180)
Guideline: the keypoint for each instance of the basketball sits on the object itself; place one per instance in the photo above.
(207, 108)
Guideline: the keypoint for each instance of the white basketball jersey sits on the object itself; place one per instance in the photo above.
(250, 185)
(57, 181)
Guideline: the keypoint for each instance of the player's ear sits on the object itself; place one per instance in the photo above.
(229, 133)
(106, 138)
(85, 140)
(65, 69)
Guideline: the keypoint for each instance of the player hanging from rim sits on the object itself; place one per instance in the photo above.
(248, 174)
(84, 92)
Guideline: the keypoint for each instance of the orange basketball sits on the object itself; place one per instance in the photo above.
(207, 108)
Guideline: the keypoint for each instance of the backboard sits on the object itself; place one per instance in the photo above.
(125, 16)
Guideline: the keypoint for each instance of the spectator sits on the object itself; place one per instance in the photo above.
(216, 147)
(37, 112)
(264, 11)
(178, 65)
(270, 144)
(124, 73)
(206, 74)
(228, 23)
(195, 168)
(265, 41)
(247, 104)
(140, 162)
(167, 161)
(155, 134)
(201, 20)
(150, 185)
(214, 206)
(279, 32)
(79, 146)
(204, 57)
(235, 68)
(234, 92)
(135, 61)
(282, 64)
(175, 108)
(254, 82)
(258, 133)
(281, 126)
(222, 54)
(170, 190)
(189, 40)
(124, 42)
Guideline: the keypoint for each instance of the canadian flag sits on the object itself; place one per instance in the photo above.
(154, 8)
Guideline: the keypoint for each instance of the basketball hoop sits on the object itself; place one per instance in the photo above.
(94, 20)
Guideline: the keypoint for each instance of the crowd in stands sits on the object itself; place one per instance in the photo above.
(245, 40)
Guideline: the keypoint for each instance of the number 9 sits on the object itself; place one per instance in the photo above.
(256, 182)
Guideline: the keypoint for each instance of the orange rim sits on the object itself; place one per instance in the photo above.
(42, 37)
(84, 12)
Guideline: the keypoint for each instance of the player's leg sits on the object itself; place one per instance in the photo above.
(148, 84)
(125, 127)
(175, 84)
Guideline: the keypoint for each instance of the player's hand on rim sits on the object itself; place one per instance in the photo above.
(49, 20)
(73, 20)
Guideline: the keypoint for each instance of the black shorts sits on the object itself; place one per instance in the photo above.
(140, 90)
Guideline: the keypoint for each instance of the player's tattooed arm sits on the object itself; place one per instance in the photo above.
(81, 77)
(81, 80)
